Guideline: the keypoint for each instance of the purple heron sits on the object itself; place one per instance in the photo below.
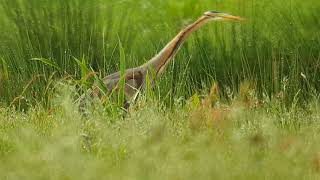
(135, 78)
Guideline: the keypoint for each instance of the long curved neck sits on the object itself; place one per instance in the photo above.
(160, 61)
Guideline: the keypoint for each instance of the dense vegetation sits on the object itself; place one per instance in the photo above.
(240, 101)
(277, 49)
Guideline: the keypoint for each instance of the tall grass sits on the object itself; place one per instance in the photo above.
(277, 49)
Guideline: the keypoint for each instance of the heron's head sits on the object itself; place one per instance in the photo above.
(221, 16)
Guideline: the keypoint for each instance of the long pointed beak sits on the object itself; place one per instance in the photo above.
(233, 18)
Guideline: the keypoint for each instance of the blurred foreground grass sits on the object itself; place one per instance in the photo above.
(203, 139)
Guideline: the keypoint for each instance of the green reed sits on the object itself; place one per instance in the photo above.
(277, 48)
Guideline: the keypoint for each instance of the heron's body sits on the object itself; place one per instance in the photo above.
(135, 78)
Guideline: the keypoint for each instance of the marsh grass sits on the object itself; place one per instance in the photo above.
(278, 47)
(240, 101)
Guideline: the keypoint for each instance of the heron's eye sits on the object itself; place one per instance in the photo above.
(215, 12)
